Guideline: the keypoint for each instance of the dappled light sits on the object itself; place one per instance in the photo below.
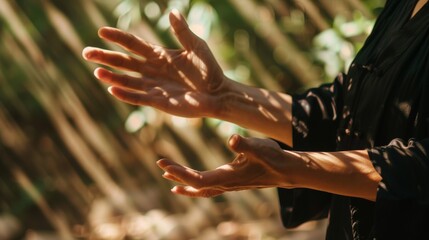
(76, 163)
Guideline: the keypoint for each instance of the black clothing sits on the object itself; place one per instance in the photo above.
(382, 105)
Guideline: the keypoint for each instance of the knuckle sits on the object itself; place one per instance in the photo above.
(119, 35)
(125, 81)
(115, 60)
(182, 28)
(115, 36)
(142, 84)
(134, 99)
(129, 40)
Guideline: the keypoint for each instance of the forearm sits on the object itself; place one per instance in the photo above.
(348, 173)
(258, 109)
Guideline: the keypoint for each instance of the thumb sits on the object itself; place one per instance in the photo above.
(240, 144)
(181, 29)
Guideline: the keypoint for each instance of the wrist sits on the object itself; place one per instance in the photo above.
(224, 99)
(291, 171)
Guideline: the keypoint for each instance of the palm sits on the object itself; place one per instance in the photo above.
(183, 82)
(253, 168)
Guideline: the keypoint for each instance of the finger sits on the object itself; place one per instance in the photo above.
(163, 163)
(125, 81)
(172, 178)
(156, 97)
(131, 97)
(181, 30)
(193, 192)
(186, 175)
(240, 144)
(127, 41)
(113, 59)
(223, 177)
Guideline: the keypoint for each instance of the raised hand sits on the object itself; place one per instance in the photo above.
(258, 165)
(185, 82)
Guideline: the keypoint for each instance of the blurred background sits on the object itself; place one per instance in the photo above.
(77, 164)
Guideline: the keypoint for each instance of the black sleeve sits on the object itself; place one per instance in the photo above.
(315, 117)
(315, 123)
(403, 194)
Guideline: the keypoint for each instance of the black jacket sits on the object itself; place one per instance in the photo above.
(382, 105)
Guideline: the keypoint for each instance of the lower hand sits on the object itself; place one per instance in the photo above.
(256, 165)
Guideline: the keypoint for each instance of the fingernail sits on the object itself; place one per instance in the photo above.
(96, 72)
(233, 140)
(100, 31)
(176, 13)
(109, 89)
(86, 53)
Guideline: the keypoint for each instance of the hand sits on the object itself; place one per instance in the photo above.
(259, 164)
(184, 82)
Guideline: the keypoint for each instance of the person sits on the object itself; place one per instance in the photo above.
(355, 150)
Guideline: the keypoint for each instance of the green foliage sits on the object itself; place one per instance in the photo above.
(336, 46)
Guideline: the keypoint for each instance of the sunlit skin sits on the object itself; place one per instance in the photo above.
(183, 82)
(189, 82)
(261, 163)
